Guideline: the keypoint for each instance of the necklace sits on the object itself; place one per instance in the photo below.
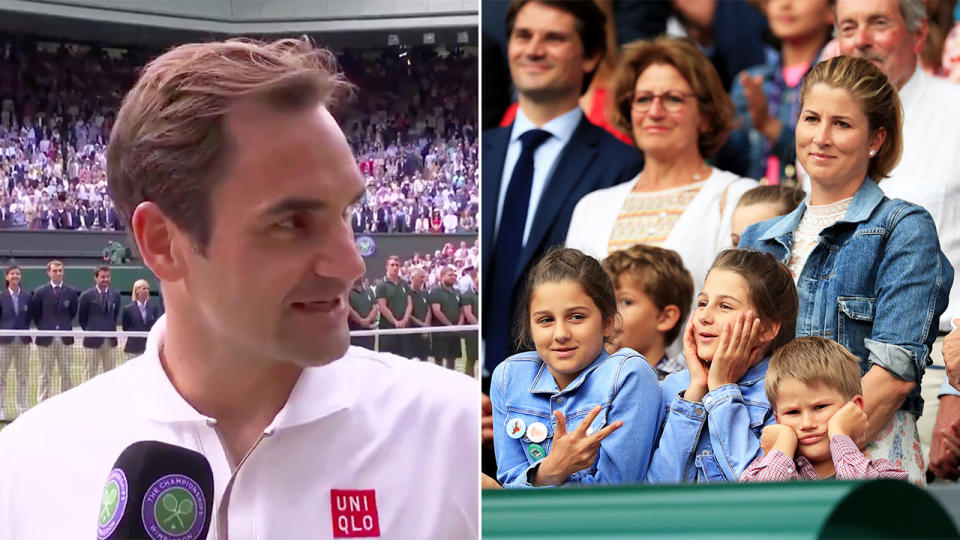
(643, 180)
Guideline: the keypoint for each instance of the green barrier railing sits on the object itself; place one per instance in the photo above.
(791, 510)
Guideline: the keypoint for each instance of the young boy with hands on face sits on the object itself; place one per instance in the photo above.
(813, 385)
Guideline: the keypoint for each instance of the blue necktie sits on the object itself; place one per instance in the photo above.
(513, 220)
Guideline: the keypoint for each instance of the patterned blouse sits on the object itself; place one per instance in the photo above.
(648, 217)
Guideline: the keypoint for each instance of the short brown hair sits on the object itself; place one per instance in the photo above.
(97, 270)
(716, 107)
(170, 144)
(772, 291)
(662, 276)
(814, 359)
(878, 99)
(787, 198)
(563, 264)
(55, 262)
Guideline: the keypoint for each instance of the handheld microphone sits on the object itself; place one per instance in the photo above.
(157, 491)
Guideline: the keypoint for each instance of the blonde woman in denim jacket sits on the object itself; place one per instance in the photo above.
(869, 270)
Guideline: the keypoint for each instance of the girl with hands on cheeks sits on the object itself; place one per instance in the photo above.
(569, 412)
(716, 408)
(737, 349)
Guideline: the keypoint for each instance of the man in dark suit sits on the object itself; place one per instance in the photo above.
(536, 170)
(139, 316)
(14, 315)
(99, 309)
(359, 220)
(53, 307)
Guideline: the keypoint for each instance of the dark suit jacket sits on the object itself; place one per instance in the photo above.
(96, 314)
(592, 159)
(48, 314)
(14, 321)
(132, 321)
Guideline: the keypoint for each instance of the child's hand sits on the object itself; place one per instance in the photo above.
(698, 369)
(572, 452)
(850, 420)
(779, 437)
(737, 351)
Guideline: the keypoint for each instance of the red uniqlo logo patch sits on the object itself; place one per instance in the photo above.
(354, 513)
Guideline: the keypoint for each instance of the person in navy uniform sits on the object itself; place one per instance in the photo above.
(53, 307)
(14, 351)
(99, 309)
(139, 316)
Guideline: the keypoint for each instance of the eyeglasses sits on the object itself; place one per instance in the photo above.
(672, 101)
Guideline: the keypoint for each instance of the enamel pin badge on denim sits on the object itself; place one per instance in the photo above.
(516, 427)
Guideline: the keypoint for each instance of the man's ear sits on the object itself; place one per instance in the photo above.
(592, 63)
(669, 318)
(858, 399)
(920, 37)
(159, 240)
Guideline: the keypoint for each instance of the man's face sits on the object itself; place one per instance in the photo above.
(417, 280)
(281, 255)
(102, 279)
(875, 30)
(546, 55)
(393, 269)
(449, 277)
(55, 273)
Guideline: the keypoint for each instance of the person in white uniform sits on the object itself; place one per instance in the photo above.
(239, 187)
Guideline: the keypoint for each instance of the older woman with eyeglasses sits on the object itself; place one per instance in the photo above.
(668, 96)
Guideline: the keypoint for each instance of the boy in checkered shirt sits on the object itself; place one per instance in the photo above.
(813, 385)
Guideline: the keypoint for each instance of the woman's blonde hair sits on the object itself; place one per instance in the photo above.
(878, 99)
(136, 284)
(716, 107)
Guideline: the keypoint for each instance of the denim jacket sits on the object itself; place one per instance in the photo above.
(623, 383)
(714, 440)
(877, 282)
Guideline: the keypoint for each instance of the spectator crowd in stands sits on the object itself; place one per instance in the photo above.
(415, 143)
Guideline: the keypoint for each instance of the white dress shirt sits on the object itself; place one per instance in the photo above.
(545, 159)
(929, 171)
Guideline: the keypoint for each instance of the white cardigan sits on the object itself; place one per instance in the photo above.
(699, 234)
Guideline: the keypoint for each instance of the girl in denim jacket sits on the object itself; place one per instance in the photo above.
(569, 412)
(716, 409)
(869, 270)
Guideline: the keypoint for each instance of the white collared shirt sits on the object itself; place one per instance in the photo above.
(369, 421)
(929, 171)
(545, 158)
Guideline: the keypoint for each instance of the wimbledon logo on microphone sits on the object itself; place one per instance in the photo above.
(174, 509)
(112, 504)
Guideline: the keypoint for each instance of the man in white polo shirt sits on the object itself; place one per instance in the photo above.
(239, 187)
